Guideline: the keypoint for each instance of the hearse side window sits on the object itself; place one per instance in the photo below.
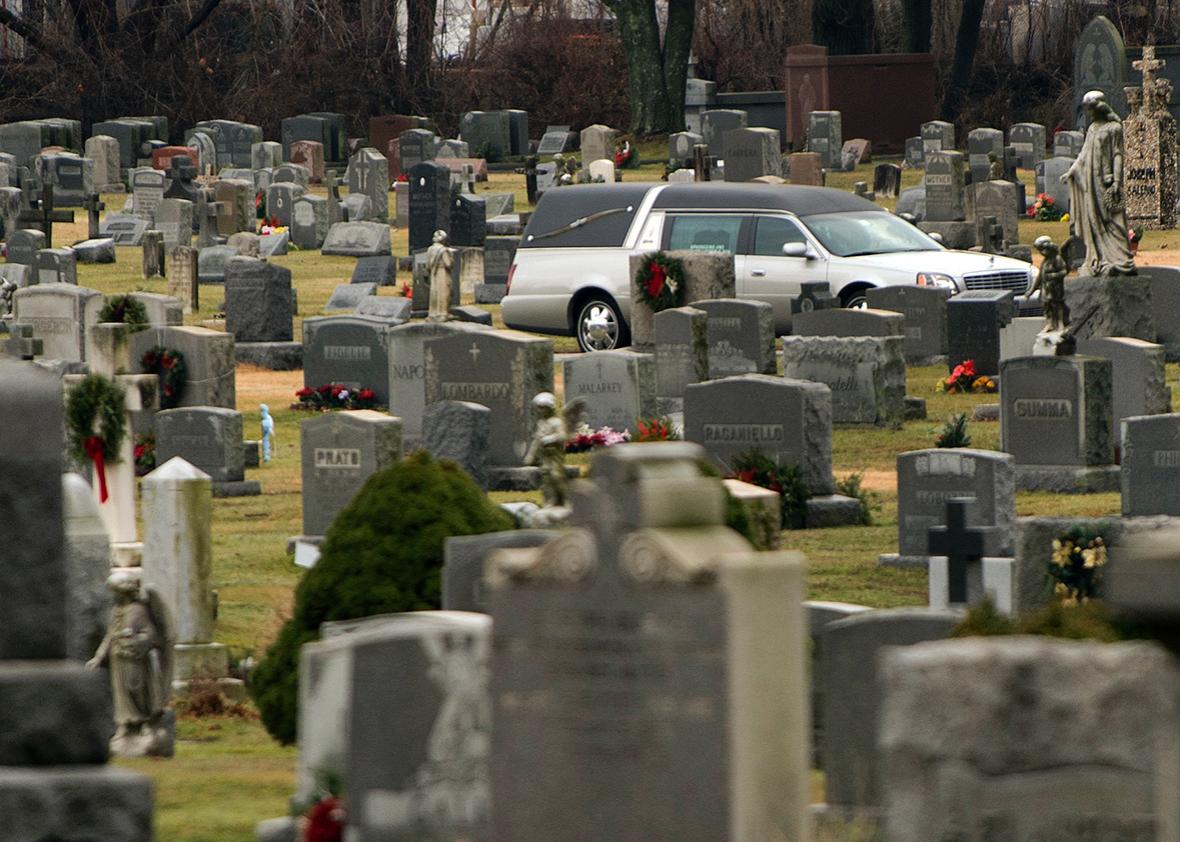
(704, 232)
(773, 233)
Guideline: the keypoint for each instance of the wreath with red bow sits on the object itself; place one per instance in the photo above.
(96, 424)
(660, 281)
(169, 366)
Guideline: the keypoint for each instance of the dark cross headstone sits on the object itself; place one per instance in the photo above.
(44, 215)
(813, 295)
(210, 210)
(701, 164)
(335, 209)
(530, 178)
(963, 546)
(94, 206)
(182, 173)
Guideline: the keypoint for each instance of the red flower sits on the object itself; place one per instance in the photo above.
(655, 284)
(367, 395)
(407, 291)
(305, 392)
(325, 821)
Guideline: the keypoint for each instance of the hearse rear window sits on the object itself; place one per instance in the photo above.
(704, 232)
(593, 216)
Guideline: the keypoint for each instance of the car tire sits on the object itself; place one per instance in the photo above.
(855, 298)
(599, 326)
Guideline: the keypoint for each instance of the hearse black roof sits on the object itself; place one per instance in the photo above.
(601, 214)
(797, 199)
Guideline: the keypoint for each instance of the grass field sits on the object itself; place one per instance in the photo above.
(228, 774)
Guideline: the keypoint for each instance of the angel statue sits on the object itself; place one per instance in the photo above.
(138, 650)
(548, 446)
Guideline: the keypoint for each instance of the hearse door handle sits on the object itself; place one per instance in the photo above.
(758, 273)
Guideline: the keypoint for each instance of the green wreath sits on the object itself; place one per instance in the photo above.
(125, 309)
(168, 365)
(96, 398)
(659, 282)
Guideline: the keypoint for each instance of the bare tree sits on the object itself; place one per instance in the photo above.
(656, 70)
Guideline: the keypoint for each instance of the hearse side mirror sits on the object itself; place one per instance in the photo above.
(796, 250)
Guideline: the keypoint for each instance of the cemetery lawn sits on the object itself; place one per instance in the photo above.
(228, 774)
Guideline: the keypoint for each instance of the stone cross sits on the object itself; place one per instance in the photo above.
(701, 165)
(1148, 65)
(530, 178)
(335, 211)
(210, 210)
(44, 215)
(94, 206)
(21, 343)
(963, 546)
(182, 169)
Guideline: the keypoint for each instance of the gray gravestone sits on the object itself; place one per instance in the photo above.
(752, 153)
(210, 374)
(974, 319)
(789, 421)
(1048, 180)
(1151, 465)
(208, 438)
(1068, 144)
(174, 218)
(1165, 305)
(357, 239)
(944, 182)
(866, 375)
(458, 430)
(839, 321)
(937, 136)
(915, 155)
(926, 479)
(464, 557)
(379, 270)
(258, 301)
(825, 137)
(56, 266)
(213, 262)
(368, 173)
(348, 296)
(148, 190)
(503, 370)
(852, 695)
(424, 773)
(352, 351)
(407, 370)
(59, 315)
(487, 133)
(468, 221)
(124, 230)
(982, 145)
(1137, 374)
(1099, 64)
(1029, 140)
(997, 199)
(619, 388)
(714, 124)
(682, 350)
(1057, 410)
(740, 336)
(393, 310)
(22, 246)
(280, 198)
(955, 767)
(340, 450)
(924, 309)
(309, 221)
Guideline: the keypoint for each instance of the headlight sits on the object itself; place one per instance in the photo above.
(936, 279)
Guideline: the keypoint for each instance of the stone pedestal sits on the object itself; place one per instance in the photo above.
(1103, 306)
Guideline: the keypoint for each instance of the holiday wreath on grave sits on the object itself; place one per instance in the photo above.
(168, 365)
(95, 424)
(660, 281)
(123, 309)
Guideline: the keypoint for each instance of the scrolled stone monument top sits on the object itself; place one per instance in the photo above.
(1097, 192)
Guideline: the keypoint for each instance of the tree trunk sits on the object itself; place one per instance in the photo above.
(677, 46)
(419, 55)
(918, 18)
(640, 34)
(966, 41)
(845, 27)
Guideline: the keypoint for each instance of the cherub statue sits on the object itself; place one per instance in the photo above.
(439, 260)
(268, 431)
(548, 446)
(1051, 282)
(138, 650)
(7, 289)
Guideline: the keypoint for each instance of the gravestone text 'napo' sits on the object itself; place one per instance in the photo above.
(865, 374)
(352, 351)
(340, 450)
(503, 370)
(619, 388)
(956, 768)
(926, 479)
(1057, 410)
(589, 730)
(789, 421)
(407, 370)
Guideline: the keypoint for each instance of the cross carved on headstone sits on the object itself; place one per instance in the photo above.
(1147, 66)
(475, 352)
(963, 546)
(44, 214)
(94, 206)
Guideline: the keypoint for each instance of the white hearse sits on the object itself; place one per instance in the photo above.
(571, 274)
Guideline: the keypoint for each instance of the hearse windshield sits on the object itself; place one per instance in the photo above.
(856, 232)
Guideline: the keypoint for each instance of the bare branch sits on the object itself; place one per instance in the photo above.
(24, 29)
(199, 18)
